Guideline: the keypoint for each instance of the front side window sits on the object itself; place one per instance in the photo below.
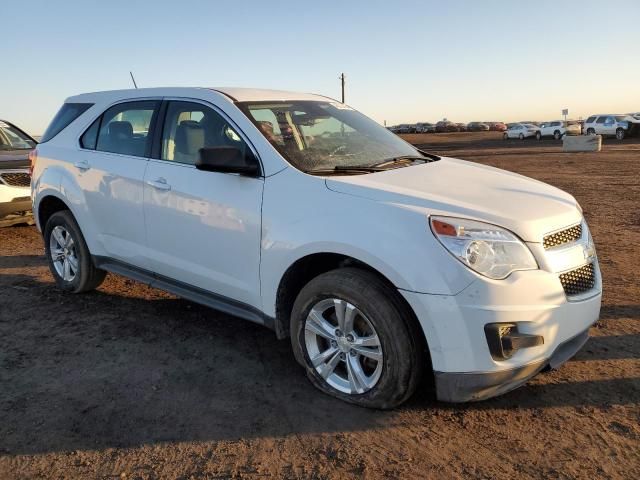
(590, 120)
(125, 128)
(13, 139)
(601, 119)
(189, 127)
(316, 135)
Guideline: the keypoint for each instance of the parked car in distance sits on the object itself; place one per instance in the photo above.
(608, 125)
(477, 127)
(281, 207)
(15, 145)
(425, 127)
(521, 131)
(404, 128)
(446, 126)
(462, 127)
(497, 126)
(558, 129)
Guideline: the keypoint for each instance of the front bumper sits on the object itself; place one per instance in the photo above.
(470, 387)
(533, 300)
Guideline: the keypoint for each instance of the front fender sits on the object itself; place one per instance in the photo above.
(302, 217)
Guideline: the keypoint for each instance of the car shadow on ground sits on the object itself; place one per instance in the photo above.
(108, 370)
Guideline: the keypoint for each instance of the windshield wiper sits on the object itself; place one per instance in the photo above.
(346, 168)
(403, 159)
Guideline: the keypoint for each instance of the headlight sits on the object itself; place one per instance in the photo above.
(487, 249)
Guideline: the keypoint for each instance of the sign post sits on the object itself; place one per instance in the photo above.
(565, 112)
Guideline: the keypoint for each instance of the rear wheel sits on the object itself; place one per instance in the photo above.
(538, 136)
(68, 256)
(620, 133)
(557, 135)
(356, 340)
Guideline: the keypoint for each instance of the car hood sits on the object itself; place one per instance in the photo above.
(527, 207)
(14, 159)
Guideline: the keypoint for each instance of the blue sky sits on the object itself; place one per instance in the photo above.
(404, 61)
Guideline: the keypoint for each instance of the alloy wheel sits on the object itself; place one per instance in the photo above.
(63, 253)
(343, 346)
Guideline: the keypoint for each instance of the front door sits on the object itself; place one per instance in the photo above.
(203, 228)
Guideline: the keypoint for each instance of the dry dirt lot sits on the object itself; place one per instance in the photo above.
(129, 382)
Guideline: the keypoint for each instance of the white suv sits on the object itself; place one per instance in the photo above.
(297, 212)
(558, 129)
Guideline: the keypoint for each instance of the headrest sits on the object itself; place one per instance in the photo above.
(120, 129)
(189, 137)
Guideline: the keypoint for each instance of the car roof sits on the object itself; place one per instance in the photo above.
(235, 94)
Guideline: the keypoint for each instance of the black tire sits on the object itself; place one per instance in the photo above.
(538, 136)
(505, 136)
(591, 131)
(521, 136)
(401, 341)
(87, 277)
(620, 134)
(557, 135)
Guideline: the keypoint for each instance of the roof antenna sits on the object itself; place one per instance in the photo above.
(133, 79)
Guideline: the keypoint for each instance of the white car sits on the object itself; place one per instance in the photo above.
(558, 129)
(296, 212)
(521, 131)
(609, 125)
(15, 146)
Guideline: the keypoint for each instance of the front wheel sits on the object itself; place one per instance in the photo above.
(68, 256)
(356, 339)
(505, 136)
(557, 135)
(591, 131)
(620, 133)
(538, 136)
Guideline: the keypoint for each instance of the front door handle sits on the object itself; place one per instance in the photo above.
(82, 165)
(160, 184)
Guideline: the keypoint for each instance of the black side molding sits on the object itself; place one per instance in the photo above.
(186, 291)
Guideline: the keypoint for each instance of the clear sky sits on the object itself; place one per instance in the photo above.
(404, 61)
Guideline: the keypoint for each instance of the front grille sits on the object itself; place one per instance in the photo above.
(579, 280)
(567, 235)
(16, 179)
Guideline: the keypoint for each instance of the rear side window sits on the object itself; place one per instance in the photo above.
(67, 114)
(125, 129)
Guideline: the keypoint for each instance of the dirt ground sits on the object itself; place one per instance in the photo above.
(129, 382)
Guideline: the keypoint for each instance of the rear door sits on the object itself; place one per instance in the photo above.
(113, 160)
(203, 228)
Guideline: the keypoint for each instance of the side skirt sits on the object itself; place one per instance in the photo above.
(186, 291)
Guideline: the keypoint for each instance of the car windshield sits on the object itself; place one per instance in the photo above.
(13, 139)
(314, 135)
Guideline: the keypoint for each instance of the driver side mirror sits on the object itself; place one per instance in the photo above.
(228, 160)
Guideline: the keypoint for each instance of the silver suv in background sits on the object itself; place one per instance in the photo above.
(609, 124)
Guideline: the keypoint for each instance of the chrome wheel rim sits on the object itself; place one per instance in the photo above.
(63, 253)
(619, 134)
(343, 346)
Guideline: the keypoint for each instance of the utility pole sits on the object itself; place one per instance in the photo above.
(342, 83)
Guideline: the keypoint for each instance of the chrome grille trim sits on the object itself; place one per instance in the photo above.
(562, 237)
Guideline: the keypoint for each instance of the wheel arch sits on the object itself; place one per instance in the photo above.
(304, 269)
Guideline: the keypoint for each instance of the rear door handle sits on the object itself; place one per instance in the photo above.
(82, 165)
(160, 184)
